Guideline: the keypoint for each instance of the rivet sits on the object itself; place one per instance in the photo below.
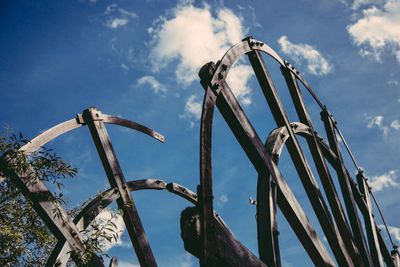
(220, 76)
(224, 67)
(282, 135)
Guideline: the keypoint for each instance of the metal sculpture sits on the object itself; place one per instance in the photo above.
(346, 240)
(204, 233)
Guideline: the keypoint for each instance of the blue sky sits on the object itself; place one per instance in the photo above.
(140, 59)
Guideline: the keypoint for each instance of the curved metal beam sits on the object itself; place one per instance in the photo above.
(133, 125)
(254, 148)
(86, 216)
(49, 135)
(72, 124)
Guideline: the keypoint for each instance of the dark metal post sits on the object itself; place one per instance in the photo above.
(93, 118)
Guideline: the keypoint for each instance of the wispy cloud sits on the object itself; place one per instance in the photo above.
(394, 231)
(395, 125)
(305, 53)
(193, 37)
(192, 111)
(378, 183)
(378, 29)
(153, 83)
(238, 80)
(222, 200)
(117, 17)
(378, 121)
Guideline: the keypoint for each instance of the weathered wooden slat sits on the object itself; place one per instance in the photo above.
(49, 135)
(254, 148)
(133, 125)
(369, 223)
(94, 120)
(322, 168)
(346, 191)
(318, 203)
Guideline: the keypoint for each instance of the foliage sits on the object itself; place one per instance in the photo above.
(24, 238)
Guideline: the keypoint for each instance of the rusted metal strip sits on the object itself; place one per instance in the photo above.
(254, 148)
(310, 185)
(369, 222)
(322, 168)
(346, 191)
(86, 216)
(94, 120)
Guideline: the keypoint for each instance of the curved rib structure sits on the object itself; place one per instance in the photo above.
(89, 213)
(62, 226)
(346, 238)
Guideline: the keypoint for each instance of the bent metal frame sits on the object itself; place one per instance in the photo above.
(216, 243)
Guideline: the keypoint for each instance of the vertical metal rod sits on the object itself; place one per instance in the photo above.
(100, 136)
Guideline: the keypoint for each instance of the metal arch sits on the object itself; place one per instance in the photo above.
(72, 124)
(254, 148)
(63, 227)
(274, 145)
(86, 216)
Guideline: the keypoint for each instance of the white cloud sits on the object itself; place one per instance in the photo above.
(377, 122)
(154, 84)
(192, 109)
(394, 231)
(237, 78)
(359, 3)
(125, 67)
(105, 216)
(116, 22)
(395, 124)
(378, 183)
(193, 37)
(316, 63)
(117, 16)
(223, 199)
(378, 29)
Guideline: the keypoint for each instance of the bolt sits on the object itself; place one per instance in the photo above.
(220, 76)
(215, 86)
(224, 67)
(282, 135)
(252, 43)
